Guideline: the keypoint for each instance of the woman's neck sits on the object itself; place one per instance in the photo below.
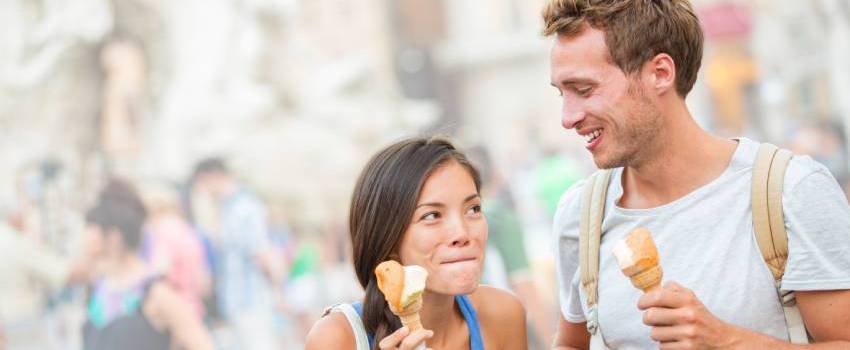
(441, 314)
(123, 269)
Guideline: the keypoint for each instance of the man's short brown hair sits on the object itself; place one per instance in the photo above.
(635, 31)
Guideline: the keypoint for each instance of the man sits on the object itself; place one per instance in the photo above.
(246, 269)
(623, 69)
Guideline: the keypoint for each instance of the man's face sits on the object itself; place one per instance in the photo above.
(609, 109)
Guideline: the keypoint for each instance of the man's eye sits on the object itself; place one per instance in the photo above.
(583, 91)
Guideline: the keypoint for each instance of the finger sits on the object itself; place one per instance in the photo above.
(673, 334)
(676, 345)
(663, 298)
(414, 339)
(659, 316)
(391, 341)
(672, 285)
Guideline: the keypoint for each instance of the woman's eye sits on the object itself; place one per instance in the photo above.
(475, 209)
(431, 216)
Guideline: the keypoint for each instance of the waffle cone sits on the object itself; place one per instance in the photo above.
(410, 315)
(648, 279)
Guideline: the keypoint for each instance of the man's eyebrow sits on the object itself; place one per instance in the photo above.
(576, 80)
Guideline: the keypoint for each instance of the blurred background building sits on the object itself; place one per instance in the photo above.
(296, 94)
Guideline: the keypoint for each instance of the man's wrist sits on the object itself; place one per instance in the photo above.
(745, 339)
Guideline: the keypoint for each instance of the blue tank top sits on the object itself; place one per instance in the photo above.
(468, 311)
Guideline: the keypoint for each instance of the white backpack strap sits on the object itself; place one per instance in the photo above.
(590, 234)
(769, 226)
(361, 339)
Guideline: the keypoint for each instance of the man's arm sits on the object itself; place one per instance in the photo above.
(679, 320)
(826, 314)
(827, 318)
(571, 336)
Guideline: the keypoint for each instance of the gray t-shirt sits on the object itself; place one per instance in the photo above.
(706, 243)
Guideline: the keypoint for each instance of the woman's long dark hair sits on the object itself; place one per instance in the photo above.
(382, 206)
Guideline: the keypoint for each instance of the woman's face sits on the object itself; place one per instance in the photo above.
(447, 233)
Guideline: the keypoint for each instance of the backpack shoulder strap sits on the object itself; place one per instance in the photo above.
(768, 219)
(769, 226)
(590, 232)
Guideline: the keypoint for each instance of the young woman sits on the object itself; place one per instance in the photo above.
(417, 202)
(129, 306)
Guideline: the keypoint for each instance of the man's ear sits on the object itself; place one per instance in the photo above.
(660, 72)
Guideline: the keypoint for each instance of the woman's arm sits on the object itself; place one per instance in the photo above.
(330, 332)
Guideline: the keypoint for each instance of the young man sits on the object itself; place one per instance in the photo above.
(247, 270)
(623, 69)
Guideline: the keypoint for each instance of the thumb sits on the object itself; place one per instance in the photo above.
(672, 285)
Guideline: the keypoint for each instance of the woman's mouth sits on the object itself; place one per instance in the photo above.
(458, 260)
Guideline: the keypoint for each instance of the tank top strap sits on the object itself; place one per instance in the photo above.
(471, 317)
(358, 306)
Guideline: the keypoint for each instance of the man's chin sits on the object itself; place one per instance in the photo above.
(603, 162)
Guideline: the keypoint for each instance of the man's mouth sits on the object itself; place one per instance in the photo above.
(592, 136)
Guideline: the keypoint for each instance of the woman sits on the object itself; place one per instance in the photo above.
(129, 306)
(417, 202)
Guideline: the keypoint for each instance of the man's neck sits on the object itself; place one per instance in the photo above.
(683, 161)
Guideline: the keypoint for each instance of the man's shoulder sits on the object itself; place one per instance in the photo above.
(569, 208)
(800, 168)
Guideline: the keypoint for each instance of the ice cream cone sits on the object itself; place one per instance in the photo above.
(638, 258)
(410, 315)
(402, 287)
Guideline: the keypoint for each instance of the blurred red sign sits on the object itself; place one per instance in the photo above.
(725, 20)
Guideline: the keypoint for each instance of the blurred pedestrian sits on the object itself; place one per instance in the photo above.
(130, 306)
(173, 247)
(508, 245)
(246, 265)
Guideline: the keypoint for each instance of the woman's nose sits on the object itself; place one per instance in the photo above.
(459, 234)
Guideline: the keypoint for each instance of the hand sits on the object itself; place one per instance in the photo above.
(680, 321)
(402, 339)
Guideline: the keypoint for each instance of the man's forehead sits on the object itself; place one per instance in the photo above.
(586, 44)
(581, 55)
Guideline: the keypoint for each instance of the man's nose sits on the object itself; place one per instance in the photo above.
(571, 114)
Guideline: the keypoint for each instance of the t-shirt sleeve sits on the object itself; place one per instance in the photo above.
(565, 235)
(817, 219)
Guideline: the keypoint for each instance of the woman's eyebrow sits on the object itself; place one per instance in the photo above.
(440, 205)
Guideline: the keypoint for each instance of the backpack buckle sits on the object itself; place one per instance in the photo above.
(593, 320)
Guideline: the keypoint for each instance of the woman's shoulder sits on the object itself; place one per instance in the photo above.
(495, 305)
(330, 332)
(501, 317)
